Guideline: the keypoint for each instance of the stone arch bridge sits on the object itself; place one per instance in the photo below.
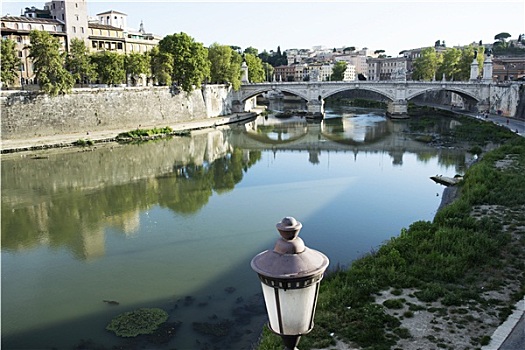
(477, 95)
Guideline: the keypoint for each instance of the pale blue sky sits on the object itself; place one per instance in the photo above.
(379, 25)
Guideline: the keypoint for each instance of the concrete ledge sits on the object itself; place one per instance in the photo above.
(68, 140)
(506, 328)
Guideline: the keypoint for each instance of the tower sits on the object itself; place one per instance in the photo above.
(74, 14)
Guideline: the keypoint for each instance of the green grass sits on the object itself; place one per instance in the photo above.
(145, 133)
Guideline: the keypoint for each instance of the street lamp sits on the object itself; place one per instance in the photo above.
(290, 275)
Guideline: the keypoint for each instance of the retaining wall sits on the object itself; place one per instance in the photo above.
(32, 114)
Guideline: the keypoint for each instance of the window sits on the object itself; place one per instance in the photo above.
(42, 27)
(30, 27)
(76, 17)
(18, 39)
(82, 30)
(20, 54)
(62, 16)
(94, 44)
(74, 29)
(22, 68)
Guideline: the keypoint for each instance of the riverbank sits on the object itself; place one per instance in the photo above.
(70, 140)
(445, 284)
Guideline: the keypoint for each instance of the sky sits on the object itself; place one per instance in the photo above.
(388, 25)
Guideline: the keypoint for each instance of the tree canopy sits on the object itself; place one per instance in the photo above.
(225, 65)
(338, 71)
(190, 60)
(137, 64)
(110, 67)
(426, 65)
(10, 62)
(48, 63)
(161, 65)
(256, 72)
(78, 62)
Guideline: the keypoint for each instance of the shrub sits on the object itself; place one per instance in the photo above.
(394, 303)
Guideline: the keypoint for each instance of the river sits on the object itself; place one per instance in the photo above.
(174, 223)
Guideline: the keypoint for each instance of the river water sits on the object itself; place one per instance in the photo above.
(174, 223)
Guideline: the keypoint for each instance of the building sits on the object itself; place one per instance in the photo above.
(67, 20)
(284, 73)
(17, 29)
(350, 73)
(387, 68)
(74, 15)
(103, 37)
(506, 68)
(137, 41)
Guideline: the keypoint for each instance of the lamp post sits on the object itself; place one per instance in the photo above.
(290, 275)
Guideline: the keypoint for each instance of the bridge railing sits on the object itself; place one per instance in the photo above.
(377, 82)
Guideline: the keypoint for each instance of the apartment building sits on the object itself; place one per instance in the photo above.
(68, 19)
(17, 28)
(387, 68)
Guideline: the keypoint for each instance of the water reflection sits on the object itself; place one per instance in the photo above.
(150, 224)
(68, 199)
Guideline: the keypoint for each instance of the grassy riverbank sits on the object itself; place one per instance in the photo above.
(461, 274)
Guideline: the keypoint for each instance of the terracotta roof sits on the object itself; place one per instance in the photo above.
(30, 20)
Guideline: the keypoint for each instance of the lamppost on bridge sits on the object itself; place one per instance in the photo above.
(290, 275)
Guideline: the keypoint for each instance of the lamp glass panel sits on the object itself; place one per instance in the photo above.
(296, 308)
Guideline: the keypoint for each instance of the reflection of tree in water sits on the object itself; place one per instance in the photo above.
(78, 217)
(190, 189)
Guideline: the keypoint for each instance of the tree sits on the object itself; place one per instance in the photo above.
(190, 60)
(425, 66)
(502, 37)
(252, 51)
(225, 65)
(465, 61)
(48, 62)
(78, 62)
(110, 67)
(256, 72)
(264, 56)
(450, 64)
(268, 71)
(161, 64)
(136, 64)
(10, 62)
(338, 72)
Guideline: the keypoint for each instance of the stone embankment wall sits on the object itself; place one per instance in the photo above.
(29, 114)
(506, 99)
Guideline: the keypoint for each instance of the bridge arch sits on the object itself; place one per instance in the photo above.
(253, 93)
(460, 92)
(360, 87)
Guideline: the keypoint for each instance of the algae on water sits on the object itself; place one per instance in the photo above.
(140, 321)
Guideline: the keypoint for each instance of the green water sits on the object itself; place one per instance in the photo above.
(174, 223)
